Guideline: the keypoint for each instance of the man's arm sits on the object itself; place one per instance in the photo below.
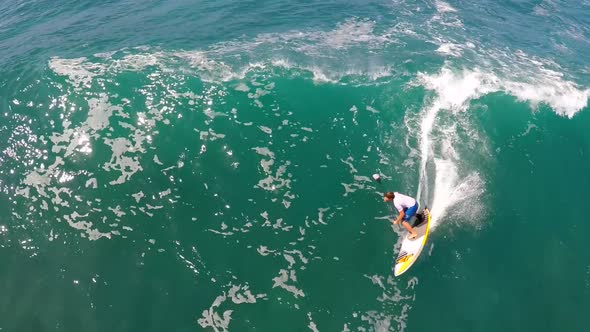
(400, 216)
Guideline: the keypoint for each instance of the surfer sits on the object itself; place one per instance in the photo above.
(407, 208)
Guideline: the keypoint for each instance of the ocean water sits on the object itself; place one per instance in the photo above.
(206, 165)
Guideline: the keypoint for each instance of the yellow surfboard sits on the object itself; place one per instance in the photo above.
(411, 249)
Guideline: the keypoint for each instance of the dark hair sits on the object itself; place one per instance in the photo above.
(389, 195)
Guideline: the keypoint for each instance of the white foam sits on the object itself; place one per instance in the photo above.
(450, 190)
(446, 15)
(352, 32)
(138, 196)
(453, 92)
(239, 295)
(79, 71)
(265, 129)
(444, 7)
(449, 49)
(157, 160)
(354, 111)
(319, 76)
(312, 326)
(539, 10)
(283, 278)
(212, 319)
(117, 211)
(372, 110)
(302, 258)
(564, 97)
(546, 86)
(99, 112)
(264, 251)
(209, 69)
(120, 161)
(455, 89)
(92, 233)
(348, 162)
(242, 87)
(539, 81)
(271, 182)
(213, 64)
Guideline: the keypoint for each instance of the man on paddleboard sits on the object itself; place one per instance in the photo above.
(407, 208)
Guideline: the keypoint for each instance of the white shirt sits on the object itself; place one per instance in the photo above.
(402, 202)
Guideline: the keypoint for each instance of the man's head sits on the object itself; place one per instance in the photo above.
(388, 196)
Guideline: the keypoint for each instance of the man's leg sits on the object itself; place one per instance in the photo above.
(409, 229)
(411, 212)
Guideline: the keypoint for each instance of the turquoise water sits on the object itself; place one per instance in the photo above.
(190, 165)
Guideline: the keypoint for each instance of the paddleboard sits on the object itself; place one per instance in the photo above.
(411, 249)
